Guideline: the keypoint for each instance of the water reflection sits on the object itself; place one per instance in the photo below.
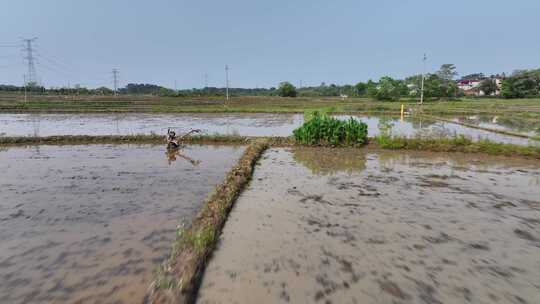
(450, 164)
(245, 124)
(328, 161)
(173, 154)
(530, 127)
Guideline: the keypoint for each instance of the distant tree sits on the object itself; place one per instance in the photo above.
(371, 88)
(415, 79)
(142, 88)
(286, 89)
(522, 84)
(434, 86)
(360, 89)
(390, 89)
(452, 89)
(507, 89)
(104, 91)
(9, 88)
(447, 72)
(166, 92)
(488, 86)
(348, 90)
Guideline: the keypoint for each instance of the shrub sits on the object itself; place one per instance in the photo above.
(286, 89)
(322, 129)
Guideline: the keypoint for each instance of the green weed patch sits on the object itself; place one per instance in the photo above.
(322, 129)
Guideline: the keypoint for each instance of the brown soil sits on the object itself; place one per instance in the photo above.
(90, 224)
(382, 227)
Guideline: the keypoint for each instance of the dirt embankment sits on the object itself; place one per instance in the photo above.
(178, 279)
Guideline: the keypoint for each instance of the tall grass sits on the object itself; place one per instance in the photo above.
(322, 129)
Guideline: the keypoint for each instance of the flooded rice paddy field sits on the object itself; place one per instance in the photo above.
(370, 226)
(511, 124)
(246, 124)
(90, 223)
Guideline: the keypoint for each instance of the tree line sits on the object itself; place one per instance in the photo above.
(437, 85)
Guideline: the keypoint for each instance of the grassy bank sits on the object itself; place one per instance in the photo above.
(189, 105)
(112, 139)
(139, 139)
(456, 144)
(177, 280)
(525, 108)
(451, 144)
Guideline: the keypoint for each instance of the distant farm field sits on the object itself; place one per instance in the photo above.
(528, 108)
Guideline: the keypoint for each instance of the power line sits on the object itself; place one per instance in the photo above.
(56, 69)
(55, 63)
(45, 52)
(8, 65)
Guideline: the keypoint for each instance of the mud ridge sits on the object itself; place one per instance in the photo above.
(178, 279)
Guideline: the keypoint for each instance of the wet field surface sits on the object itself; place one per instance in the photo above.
(90, 224)
(511, 124)
(249, 124)
(245, 124)
(370, 226)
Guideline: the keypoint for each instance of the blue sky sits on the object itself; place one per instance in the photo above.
(264, 42)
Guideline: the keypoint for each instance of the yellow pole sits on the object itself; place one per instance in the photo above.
(402, 112)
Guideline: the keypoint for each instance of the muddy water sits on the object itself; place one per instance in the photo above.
(256, 124)
(365, 226)
(511, 124)
(90, 224)
(246, 124)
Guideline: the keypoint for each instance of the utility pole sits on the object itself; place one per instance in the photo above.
(206, 83)
(175, 90)
(227, 81)
(423, 77)
(31, 77)
(115, 74)
(24, 77)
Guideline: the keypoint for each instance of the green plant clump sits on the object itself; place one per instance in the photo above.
(322, 129)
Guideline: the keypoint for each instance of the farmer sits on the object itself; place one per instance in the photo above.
(172, 141)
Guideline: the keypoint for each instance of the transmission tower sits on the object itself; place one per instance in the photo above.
(115, 74)
(31, 76)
